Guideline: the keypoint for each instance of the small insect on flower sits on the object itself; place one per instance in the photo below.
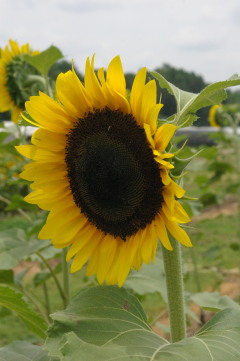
(14, 78)
(100, 168)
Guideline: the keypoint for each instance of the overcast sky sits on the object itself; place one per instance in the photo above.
(201, 36)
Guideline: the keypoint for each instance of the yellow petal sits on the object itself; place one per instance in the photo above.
(163, 163)
(112, 275)
(45, 139)
(93, 87)
(148, 134)
(163, 136)
(152, 117)
(146, 102)
(37, 170)
(40, 154)
(162, 233)
(92, 263)
(137, 88)
(149, 242)
(87, 234)
(180, 214)
(124, 266)
(72, 94)
(134, 244)
(65, 214)
(101, 76)
(68, 231)
(115, 76)
(106, 256)
(176, 189)
(49, 114)
(168, 197)
(82, 257)
(177, 232)
(165, 176)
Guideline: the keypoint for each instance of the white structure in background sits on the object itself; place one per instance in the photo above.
(196, 135)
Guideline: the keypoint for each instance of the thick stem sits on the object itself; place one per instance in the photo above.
(175, 291)
(65, 270)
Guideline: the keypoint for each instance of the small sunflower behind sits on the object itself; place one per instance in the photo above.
(16, 85)
(213, 116)
(101, 169)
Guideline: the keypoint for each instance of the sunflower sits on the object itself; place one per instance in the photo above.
(13, 78)
(101, 169)
(212, 117)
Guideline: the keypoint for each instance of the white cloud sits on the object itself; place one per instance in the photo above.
(200, 36)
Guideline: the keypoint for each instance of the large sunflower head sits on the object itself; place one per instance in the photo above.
(101, 169)
(14, 78)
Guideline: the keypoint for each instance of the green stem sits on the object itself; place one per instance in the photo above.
(48, 88)
(236, 141)
(35, 303)
(175, 290)
(65, 270)
(47, 301)
(61, 291)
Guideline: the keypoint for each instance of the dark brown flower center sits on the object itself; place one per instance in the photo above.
(113, 176)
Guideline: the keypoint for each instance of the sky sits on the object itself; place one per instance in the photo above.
(201, 36)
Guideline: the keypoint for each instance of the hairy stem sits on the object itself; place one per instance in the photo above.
(175, 290)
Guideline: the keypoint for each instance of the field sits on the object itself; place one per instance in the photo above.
(211, 267)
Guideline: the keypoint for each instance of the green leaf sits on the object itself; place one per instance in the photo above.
(18, 202)
(43, 61)
(188, 103)
(23, 351)
(6, 277)
(213, 301)
(150, 278)
(182, 97)
(13, 301)
(41, 277)
(3, 136)
(97, 315)
(14, 247)
(24, 122)
(106, 323)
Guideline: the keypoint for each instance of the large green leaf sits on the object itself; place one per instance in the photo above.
(43, 61)
(106, 323)
(13, 301)
(15, 247)
(213, 301)
(23, 351)
(97, 315)
(188, 103)
(6, 277)
(150, 278)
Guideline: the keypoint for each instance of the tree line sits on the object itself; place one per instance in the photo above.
(183, 79)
